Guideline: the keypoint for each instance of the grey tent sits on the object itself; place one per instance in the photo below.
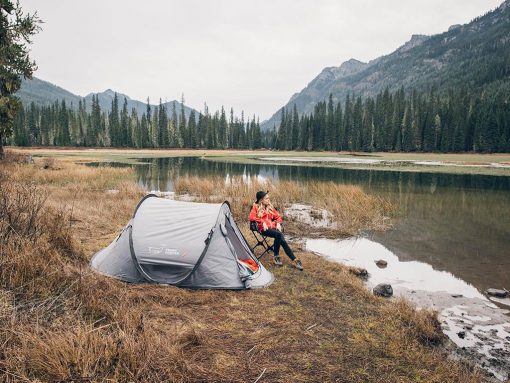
(186, 244)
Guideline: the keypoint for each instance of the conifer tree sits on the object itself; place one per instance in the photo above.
(407, 131)
(144, 130)
(63, 136)
(125, 129)
(135, 130)
(192, 128)
(155, 128)
(200, 131)
(183, 138)
(16, 31)
(282, 131)
(163, 126)
(222, 130)
(147, 129)
(95, 122)
(113, 122)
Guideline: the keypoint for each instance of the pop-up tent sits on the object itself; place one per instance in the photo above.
(186, 244)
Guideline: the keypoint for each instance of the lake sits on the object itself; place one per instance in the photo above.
(454, 222)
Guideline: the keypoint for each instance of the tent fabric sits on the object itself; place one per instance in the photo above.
(115, 260)
(187, 244)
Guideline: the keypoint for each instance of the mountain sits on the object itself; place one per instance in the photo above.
(44, 93)
(106, 98)
(475, 55)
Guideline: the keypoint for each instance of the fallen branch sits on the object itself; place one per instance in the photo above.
(312, 326)
(260, 376)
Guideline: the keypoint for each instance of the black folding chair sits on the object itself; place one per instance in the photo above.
(261, 240)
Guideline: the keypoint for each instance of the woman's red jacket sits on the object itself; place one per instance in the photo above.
(269, 218)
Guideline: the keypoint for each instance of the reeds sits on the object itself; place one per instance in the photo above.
(352, 208)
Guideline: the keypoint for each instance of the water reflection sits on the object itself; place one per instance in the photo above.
(478, 328)
(157, 173)
(412, 275)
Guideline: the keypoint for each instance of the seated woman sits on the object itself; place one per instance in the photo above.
(269, 223)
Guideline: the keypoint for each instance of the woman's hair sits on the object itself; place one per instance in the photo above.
(261, 208)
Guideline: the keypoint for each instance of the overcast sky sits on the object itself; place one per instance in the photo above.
(251, 55)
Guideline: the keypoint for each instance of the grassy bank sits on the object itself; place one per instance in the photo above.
(59, 321)
(477, 162)
(396, 162)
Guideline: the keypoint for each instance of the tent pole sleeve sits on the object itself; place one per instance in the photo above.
(142, 201)
(207, 242)
(133, 257)
(199, 261)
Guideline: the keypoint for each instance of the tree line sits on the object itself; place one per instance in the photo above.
(455, 121)
(60, 124)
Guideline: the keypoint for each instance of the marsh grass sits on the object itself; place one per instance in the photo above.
(59, 321)
(352, 208)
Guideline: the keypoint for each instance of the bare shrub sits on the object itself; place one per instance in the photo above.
(11, 157)
(35, 239)
(21, 208)
(50, 164)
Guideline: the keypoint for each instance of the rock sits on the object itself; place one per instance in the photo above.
(457, 295)
(461, 334)
(381, 263)
(383, 290)
(359, 272)
(498, 293)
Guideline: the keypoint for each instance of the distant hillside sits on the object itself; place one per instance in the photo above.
(106, 98)
(44, 93)
(476, 55)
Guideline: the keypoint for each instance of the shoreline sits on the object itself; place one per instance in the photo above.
(450, 163)
(341, 329)
(477, 329)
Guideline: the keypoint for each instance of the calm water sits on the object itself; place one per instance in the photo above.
(456, 223)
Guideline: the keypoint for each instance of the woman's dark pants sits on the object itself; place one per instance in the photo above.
(279, 239)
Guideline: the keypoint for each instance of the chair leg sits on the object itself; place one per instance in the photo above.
(262, 241)
(257, 245)
(266, 251)
(267, 247)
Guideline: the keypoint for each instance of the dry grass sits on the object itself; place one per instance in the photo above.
(59, 321)
(352, 208)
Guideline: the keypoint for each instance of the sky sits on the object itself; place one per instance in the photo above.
(251, 55)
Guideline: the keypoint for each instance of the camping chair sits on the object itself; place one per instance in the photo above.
(261, 240)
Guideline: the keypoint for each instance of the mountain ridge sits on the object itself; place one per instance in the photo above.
(443, 60)
(42, 92)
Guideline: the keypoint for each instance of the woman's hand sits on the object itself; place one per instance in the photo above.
(264, 226)
(278, 227)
